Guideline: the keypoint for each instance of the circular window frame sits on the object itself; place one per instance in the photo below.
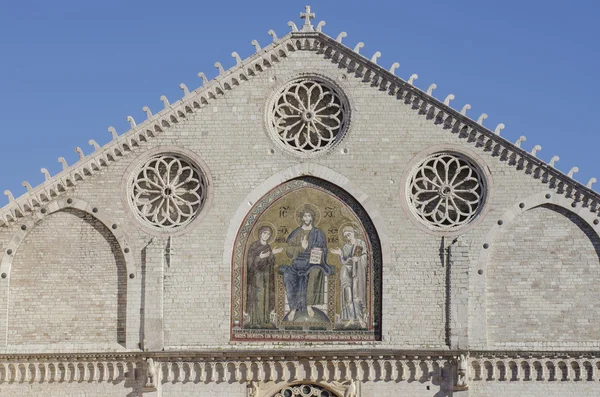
(469, 155)
(135, 166)
(275, 95)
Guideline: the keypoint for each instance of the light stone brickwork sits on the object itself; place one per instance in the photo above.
(542, 281)
(68, 285)
(521, 278)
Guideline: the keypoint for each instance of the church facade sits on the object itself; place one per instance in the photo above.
(304, 224)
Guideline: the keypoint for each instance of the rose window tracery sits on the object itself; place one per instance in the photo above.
(446, 191)
(167, 191)
(304, 390)
(307, 115)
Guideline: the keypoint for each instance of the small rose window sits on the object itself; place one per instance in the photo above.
(445, 191)
(167, 191)
(307, 115)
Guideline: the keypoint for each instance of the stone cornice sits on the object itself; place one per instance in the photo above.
(337, 366)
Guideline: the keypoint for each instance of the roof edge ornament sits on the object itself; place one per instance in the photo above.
(10, 196)
(535, 149)
(463, 111)
(27, 186)
(412, 78)
(572, 171)
(148, 111)
(293, 26)
(46, 174)
(113, 132)
(203, 77)
(271, 33)
(341, 36)
(394, 66)
(236, 56)
(307, 16)
(165, 101)
(185, 89)
(448, 99)
(320, 26)
(591, 182)
(553, 161)
(375, 57)
(256, 45)
(499, 128)
(481, 118)
(519, 141)
(432, 87)
(63, 162)
(80, 153)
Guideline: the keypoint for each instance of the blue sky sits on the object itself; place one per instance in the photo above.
(70, 69)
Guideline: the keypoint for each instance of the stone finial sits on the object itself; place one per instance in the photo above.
(463, 111)
(307, 16)
(256, 45)
(63, 162)
(448, 99)
(431, 88)
(27, 186)
(203, 77)
(80, 153)
(375, 57)
(572, 171)
(293, 26)
(591, 182)
(220, 68)
(46, 174)
(394, 66)
(412, 78)
(113, 132)
(148, 111)
(519, 141)
(320, 26)
(165, 101)
(94, 144)
(10, 196)
(341, 36)
(132, 121)
(236, 56)
(499, 128)
(535, 149)
(272, 33)
(553, 161)
(481, 118)
(358, 46)
(186, 91)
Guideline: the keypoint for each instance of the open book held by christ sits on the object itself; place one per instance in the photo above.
(316, 254)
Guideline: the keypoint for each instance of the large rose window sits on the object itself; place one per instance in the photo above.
(446, 191)
(307, 115)
(167, 191)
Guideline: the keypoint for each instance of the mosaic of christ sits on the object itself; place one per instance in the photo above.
(307, 265)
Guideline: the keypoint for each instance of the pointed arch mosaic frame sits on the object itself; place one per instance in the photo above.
(306, 265)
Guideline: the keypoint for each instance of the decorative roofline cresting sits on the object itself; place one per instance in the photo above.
(305, 39)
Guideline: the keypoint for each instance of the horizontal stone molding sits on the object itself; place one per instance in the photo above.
(321, 366)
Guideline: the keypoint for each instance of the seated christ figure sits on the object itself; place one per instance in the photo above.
(304, 279)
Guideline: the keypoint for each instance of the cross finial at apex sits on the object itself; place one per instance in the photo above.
(307, 16)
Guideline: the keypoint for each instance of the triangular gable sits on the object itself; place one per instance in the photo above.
(306, 39)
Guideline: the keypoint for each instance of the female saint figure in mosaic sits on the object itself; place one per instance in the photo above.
(260, 299)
